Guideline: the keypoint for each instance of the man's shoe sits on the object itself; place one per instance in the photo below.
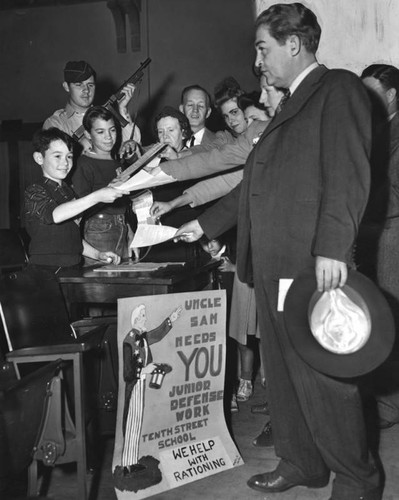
(262, 408)
(245, 390)
(265, 438)
(272, 482)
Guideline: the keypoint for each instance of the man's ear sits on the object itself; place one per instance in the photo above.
(391, 95)
(181, 108)
(87, 135)
(295, 44)
(38, 157)
(65, 86)
(208, 112)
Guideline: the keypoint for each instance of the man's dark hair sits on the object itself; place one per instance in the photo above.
(96, 112)
(227, 89)
(43, 138)
(284, 20)
(186, 90)
(386, 74)
(175, 113)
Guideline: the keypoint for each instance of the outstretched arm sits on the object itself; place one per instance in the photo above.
(72, 208)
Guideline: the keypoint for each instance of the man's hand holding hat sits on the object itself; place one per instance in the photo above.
(330, 273)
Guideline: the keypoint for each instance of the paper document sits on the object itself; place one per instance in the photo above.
(283, 287)
(147, 235)
(141, 207)
(145, 180)
(138, 267)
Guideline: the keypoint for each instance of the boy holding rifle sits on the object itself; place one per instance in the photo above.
(80, 85)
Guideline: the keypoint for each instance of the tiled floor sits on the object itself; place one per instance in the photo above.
(229, 485)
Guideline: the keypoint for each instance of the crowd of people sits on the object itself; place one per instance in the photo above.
(306, 170)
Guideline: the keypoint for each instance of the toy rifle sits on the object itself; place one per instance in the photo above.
(143, 160)
(115, 98)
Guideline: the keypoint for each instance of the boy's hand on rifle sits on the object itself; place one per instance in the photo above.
(127, 91)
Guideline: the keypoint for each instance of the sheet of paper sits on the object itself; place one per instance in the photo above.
(147, 235)
(141, 207)
(283, 287)
(145, 180)
(132, 267)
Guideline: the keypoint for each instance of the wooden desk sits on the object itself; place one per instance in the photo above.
(85, 286)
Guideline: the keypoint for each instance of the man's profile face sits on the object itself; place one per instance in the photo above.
(81, 94)
(273, 59)
(377, 90)
(195, 107)
(270, 96)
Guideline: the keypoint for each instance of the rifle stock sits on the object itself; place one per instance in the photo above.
(115, 98)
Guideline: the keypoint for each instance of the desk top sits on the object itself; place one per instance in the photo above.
(163, 276)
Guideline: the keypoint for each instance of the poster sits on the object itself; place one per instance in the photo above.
(170, 426)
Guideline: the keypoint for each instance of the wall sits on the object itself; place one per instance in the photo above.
(355, 33)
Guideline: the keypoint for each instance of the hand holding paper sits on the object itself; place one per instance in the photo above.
(148, 235)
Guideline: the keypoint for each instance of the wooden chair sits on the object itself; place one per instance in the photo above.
(24, 404)
(37, 329)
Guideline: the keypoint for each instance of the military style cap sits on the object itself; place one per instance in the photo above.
(78, 71)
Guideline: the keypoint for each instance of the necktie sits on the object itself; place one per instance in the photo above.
(192, 141)
(283, 101)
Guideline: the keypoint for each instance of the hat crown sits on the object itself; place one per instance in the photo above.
(339, 324)
(78, 71)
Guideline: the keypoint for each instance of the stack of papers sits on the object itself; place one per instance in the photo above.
(136, 267)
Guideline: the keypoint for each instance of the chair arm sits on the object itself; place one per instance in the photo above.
(49, 350)
(92, 332)
(92, 322)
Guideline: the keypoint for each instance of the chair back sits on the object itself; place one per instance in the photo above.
(22, 409)
(12, 250)
(33, 310)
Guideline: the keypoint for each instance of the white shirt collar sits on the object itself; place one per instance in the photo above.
(198, 136)
(295, 84)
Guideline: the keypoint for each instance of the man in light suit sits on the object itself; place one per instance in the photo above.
(196, 105)
(303, 194)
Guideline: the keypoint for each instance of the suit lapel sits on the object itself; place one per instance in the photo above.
(298, 99)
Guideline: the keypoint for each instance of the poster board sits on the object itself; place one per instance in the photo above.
(180, 429)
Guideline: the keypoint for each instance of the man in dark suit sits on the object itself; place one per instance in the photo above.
(303, 194)
(196, 105)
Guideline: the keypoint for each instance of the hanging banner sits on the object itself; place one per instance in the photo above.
(170, 426)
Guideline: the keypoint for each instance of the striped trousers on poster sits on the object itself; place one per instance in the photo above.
(130, 453)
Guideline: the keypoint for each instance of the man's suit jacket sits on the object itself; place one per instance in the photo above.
(208, 137)
(305, 183)
(225, 153)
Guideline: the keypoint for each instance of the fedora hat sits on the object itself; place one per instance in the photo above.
(344, 333)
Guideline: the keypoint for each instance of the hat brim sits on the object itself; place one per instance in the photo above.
(303, 291)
